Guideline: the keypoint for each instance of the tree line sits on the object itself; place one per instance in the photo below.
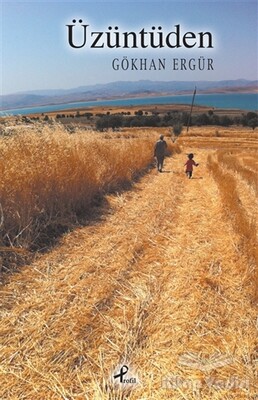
(172, 118)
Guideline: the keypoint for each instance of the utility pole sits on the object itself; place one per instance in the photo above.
(189, 118)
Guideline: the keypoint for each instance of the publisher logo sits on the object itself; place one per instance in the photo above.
(123, 376)
(123, 371)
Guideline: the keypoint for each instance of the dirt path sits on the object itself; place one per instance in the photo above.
(159, 284)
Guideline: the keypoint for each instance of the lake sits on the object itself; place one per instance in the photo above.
(242, 101)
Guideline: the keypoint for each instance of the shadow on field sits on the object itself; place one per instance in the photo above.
(94, 213)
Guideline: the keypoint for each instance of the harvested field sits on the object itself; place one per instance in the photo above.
(220, 137)
(163, 282)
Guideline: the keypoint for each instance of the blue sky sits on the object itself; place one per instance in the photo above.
(36, 55)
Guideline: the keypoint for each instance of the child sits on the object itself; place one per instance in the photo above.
(189, 165)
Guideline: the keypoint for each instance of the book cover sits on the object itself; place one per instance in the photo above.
(128, 199)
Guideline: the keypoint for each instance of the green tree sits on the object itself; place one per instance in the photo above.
(139, 112)
(253, 123)
(247, 117)
(177, 128)
(109, 121)
(226, 121)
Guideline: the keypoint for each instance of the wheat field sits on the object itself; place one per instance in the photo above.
(49, 177)
(160, 282)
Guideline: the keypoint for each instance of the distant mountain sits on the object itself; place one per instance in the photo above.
(123, 89)
(23, 100)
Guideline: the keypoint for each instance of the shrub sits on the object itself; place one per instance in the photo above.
(177, 129)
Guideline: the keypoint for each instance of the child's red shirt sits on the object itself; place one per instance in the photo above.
(189, 165)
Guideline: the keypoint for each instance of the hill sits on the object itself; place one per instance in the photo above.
(123, 89)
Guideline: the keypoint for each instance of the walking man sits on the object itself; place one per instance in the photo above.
(159, 152)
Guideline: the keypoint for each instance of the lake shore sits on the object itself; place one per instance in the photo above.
(236, 102)
(150, 108)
